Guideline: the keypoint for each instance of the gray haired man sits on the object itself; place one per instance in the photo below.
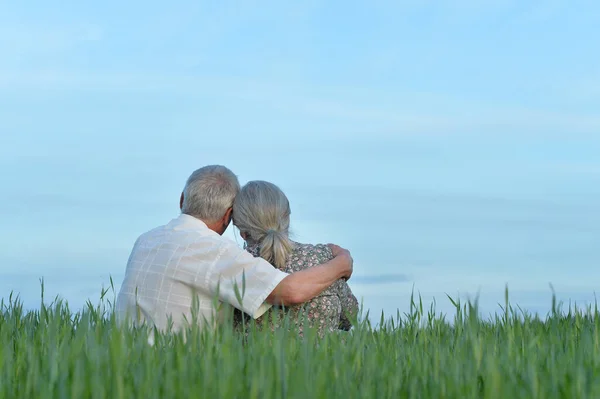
(172, 266)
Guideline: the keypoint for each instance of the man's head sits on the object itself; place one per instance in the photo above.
(208, 195)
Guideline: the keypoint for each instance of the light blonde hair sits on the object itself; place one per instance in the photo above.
(262, 211)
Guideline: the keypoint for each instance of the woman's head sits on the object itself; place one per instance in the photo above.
(261, 212)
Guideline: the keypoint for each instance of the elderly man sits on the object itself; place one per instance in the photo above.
(188, 261)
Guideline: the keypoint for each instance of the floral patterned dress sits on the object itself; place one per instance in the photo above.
(332, 310)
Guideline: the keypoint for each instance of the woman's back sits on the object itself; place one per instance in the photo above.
(330, 311)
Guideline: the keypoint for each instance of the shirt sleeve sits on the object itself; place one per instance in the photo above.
(242, 280)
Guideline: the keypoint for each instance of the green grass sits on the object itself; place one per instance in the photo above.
(56, 353)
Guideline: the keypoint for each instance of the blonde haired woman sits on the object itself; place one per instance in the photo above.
(261, 212)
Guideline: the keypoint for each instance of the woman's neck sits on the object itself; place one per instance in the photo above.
(251, 243)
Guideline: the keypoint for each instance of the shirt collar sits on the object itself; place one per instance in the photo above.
(187, 222)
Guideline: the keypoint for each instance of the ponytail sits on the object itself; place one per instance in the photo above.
(275, 248)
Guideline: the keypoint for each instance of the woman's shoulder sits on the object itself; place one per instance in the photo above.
(319, 251)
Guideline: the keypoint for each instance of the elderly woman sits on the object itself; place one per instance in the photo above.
(261, 212)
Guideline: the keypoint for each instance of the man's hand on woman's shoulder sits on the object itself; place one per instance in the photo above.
(344, 256)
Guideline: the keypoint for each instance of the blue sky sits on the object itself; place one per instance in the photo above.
(451, 145)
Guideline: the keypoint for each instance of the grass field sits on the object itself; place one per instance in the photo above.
(55, 353)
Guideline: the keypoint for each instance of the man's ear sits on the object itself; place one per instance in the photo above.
(228, 216)
(181, 201)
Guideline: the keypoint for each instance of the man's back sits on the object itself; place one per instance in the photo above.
(173, 265)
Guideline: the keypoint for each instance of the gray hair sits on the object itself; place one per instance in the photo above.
(262, 211)
(209, 192)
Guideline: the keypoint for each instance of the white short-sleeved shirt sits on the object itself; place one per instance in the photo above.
(172, 265)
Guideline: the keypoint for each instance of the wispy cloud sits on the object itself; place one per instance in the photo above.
(24, 41)
(576, 168)
(373, 113)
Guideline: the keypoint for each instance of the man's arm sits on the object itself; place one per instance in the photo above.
(252, 285)
(306, 284)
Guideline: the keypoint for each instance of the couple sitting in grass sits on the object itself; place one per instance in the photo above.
(187, 264)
